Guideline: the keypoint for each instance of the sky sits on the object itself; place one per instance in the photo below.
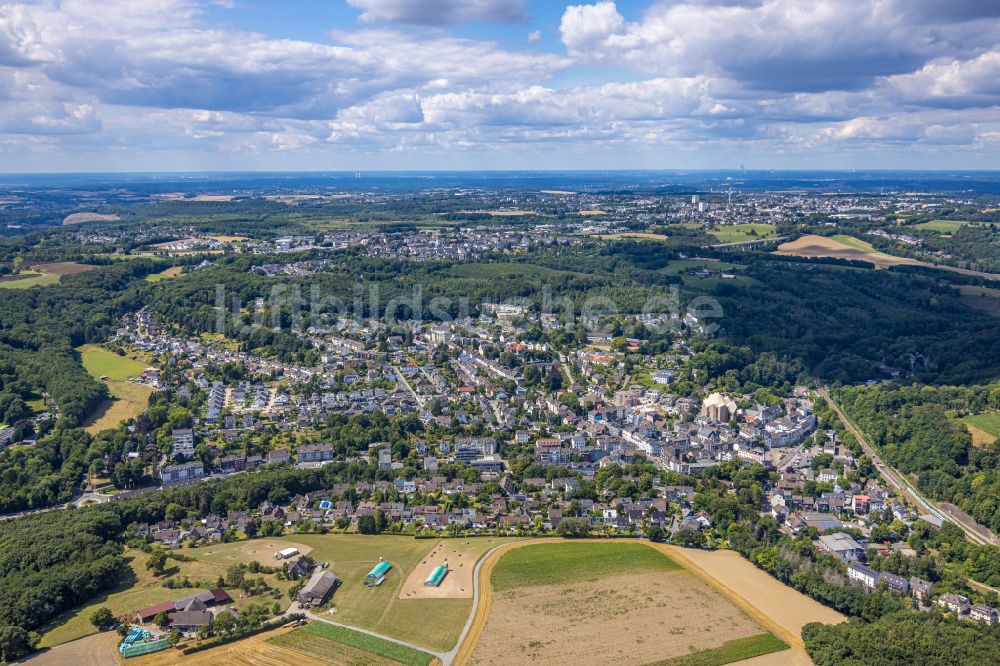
(200, 85)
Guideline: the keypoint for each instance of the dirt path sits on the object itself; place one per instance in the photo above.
(96, 650)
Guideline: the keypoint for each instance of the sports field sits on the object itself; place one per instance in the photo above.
(128, 398)
(609, 602)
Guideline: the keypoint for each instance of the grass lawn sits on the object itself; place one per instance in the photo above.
(730, 651)
(100, 362)
(432, 623)
(738, 233)
(137, 589)
(328, 642)
(128, 399)
(559, 563)
(34, 280)
(985, 428)
(942, 226)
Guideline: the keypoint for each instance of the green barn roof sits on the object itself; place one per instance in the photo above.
(379, 570)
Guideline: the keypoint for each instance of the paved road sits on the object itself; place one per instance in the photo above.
(973, 530)
(402, 378)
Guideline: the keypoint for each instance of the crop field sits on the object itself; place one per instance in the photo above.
(342, 645)
(782, 609)
(95, 650)
(847, 247)
(738, 233)
(985, 428)
(42, 275)
(258, 650)
(616, 602)
(841, 247)
(28, 279)
(558, 563)
(128, 399)
(431, 623)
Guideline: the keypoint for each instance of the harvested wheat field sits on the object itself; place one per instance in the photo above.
(456, 585)
(623, 620)
(588, 603)
(778, 607)
(824, 246)
(858, 250)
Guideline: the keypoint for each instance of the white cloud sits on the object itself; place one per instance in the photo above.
(778, 45)
(440, 12)
(156, 77)
(949, 81)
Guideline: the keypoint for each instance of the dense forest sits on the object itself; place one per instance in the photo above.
(844, 321)
(916, 429)
(903, 638)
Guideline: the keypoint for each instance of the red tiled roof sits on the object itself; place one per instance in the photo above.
(150, 611)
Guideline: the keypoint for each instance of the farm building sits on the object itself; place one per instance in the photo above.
(377, 574)
(436, 576)
(318, 589)
(285, 553)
